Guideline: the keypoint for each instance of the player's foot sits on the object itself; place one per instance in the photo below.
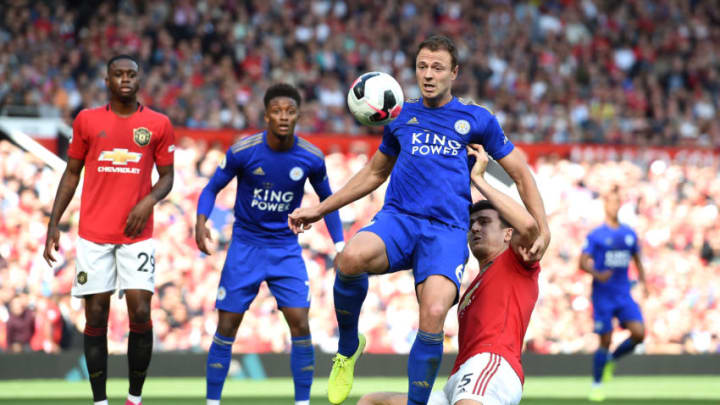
(341, 376)
(597, 394)
(608, 371)
(129, 402)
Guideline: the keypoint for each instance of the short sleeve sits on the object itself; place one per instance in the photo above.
(165, 149)
(493, 139)
(588, 246)
(389, 145)
(636, 244)
(231, 164)
(319, 173)
(79, 144)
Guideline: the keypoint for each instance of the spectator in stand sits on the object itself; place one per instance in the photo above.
(20, 325)
(575, 71)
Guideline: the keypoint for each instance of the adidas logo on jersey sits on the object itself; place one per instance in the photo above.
(413, 120)
(259, 171)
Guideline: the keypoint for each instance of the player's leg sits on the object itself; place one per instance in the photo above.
(631, 318)
(95, 346)
(95, 281)
(302, 353)
(383, 398)
(600, 360)
(140, 341)
(136, 280)
(364, 253)
(220, 354)
(438, 265)
(288, 282)
(435, 297)
(240, 280)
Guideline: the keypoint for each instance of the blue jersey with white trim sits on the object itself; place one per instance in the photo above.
(270, 185)
(431, 178)
(612, 249)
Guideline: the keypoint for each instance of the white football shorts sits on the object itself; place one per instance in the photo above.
(486, 378)
(102, 267)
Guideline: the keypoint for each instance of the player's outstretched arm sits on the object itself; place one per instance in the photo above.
(140, 213)
(515, 165)
(65, 192)
(361, 184)
(525, 228)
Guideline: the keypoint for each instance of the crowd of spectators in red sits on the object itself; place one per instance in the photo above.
(672, 206)
(624, 72)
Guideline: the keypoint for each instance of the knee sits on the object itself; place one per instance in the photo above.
(140, 314)
(432, 317)
(300, 329)
(351, 262)
(638, 335)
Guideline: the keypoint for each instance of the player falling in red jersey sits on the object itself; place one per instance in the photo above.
(118, 144)
(495, 310)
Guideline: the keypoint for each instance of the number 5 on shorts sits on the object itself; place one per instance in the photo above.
(144, 265)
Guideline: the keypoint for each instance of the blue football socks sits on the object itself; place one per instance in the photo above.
(302, 365)
(218, 363)
(625, 347)
(423, 366)
(349, 293)
(599, 360)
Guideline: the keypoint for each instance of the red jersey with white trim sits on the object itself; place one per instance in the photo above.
(495, 310)
(119, 154)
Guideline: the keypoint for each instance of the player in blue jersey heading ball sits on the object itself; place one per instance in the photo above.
(606, 255)
(424, 221)
(271, 168)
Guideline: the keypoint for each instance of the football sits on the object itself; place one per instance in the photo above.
(375, 98)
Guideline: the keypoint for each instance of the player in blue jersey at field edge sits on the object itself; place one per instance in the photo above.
(424, 221)
(606, 255)
(271, 168)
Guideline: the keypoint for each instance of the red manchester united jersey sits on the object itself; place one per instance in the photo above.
(495, 310)
(119, 154)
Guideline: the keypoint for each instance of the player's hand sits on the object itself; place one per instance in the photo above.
(538, 248)
(301, 219)
(603, 276)
(201, 233)
(481, 160)
(138, 218)
(51, 242)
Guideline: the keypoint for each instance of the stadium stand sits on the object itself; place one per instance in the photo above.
(671, 205)
(641, 72)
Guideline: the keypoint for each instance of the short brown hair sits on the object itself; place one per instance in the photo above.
(438, 42)
(487, 205)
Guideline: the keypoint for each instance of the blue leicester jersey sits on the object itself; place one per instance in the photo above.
(270, 185)
(431, 178)
(612, 249)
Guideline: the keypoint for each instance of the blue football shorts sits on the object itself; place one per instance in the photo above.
(246, 266)
(609, 306)
(425, 246)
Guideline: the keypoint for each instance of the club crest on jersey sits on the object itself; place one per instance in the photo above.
(462, 127)
(82, 278)
(221, 293)
(296, 173)
(142, 136)
(629, 240)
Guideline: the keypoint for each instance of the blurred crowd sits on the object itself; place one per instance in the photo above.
(672, 207)
(624, 72)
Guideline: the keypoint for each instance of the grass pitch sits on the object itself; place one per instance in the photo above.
(635, 390)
